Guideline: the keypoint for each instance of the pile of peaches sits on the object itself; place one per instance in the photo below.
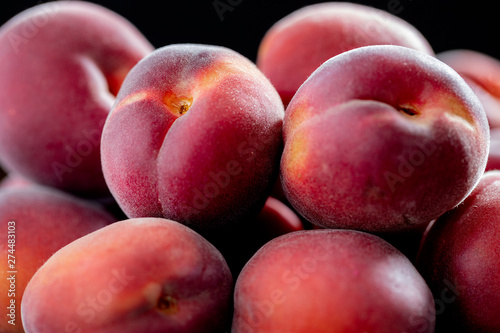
(344, 182)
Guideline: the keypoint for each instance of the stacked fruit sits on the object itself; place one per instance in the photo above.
(338, 184)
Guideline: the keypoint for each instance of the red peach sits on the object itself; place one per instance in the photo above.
(331, 281)
(494, 154)
(300, 42)
(139, 275)
(383, 139)
(460, 260)
(35, 222)
(482, 73)
(61, 64)
(194, 136)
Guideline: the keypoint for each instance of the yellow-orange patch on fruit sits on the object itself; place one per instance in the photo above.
(299, 113)
(157, 298)
(177, 104)
(138, 96)
(458, 109)
(297, 154)
(454, 110)
(219, 70)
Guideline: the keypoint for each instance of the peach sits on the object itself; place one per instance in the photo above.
(300, 42)
(460, 260)
(194, 136)
(277, 219)
(482, 73)
(35, 222)
(494, 155)
(138, 275)
(61, 64)
(331, 281)
(382, 139)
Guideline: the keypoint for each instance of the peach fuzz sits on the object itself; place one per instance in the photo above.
(138, 275)
(35, 222)
(331, 281)
(482, 73)
(382, 139)
(460, 260)
(300, 42)
(61, 64)
(194, 136)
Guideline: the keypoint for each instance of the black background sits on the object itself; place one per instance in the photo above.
(446, 24)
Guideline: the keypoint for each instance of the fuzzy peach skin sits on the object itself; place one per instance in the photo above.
(482, 73)
(300, 42)
(382, 139)
(146, 275)
(331, 281)
(35, 222)
(194, 136)
(61, 63)
(460, 260)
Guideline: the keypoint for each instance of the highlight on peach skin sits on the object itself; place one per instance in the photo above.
(382, 138)
(58, 84)
(331, 281)
(195, 136)
(300, 42)
(157, 276)
(35, 222)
